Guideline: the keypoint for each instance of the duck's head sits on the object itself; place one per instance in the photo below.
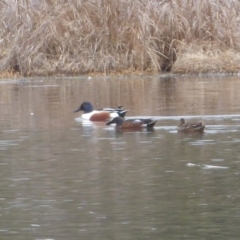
(118, 120)
(86, 107)
(182, 121)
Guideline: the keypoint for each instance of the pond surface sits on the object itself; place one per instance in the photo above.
(62, 179)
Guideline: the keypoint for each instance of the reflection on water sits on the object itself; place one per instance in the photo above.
(62, 179)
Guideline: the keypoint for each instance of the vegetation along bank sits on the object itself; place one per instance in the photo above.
(47, 37)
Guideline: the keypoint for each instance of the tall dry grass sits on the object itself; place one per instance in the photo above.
(42, 37)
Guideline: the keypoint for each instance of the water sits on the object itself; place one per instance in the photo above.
(61, 179)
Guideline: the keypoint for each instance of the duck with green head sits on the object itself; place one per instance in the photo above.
(135, 123)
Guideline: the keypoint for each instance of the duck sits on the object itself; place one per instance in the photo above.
(99, 115)
(187, 127)
(134, 123)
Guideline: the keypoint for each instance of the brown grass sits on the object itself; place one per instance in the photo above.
(44, 37)
(9, 74)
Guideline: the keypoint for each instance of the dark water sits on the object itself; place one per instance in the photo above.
(61, 179)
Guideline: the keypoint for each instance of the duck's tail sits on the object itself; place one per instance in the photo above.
(151, 124)
(122, 113)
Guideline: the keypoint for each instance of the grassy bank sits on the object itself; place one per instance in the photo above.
(44, 37)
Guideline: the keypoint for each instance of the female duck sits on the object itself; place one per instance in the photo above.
(186, 127)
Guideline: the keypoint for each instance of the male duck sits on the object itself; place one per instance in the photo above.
(99, 115)
(186, 127)
(137, 124)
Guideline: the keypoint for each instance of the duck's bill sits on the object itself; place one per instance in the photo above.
(77, 110)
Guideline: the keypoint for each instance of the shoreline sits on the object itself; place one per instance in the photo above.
(188, 64)
(168, 75)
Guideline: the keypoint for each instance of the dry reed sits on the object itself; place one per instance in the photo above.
(44, 37)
